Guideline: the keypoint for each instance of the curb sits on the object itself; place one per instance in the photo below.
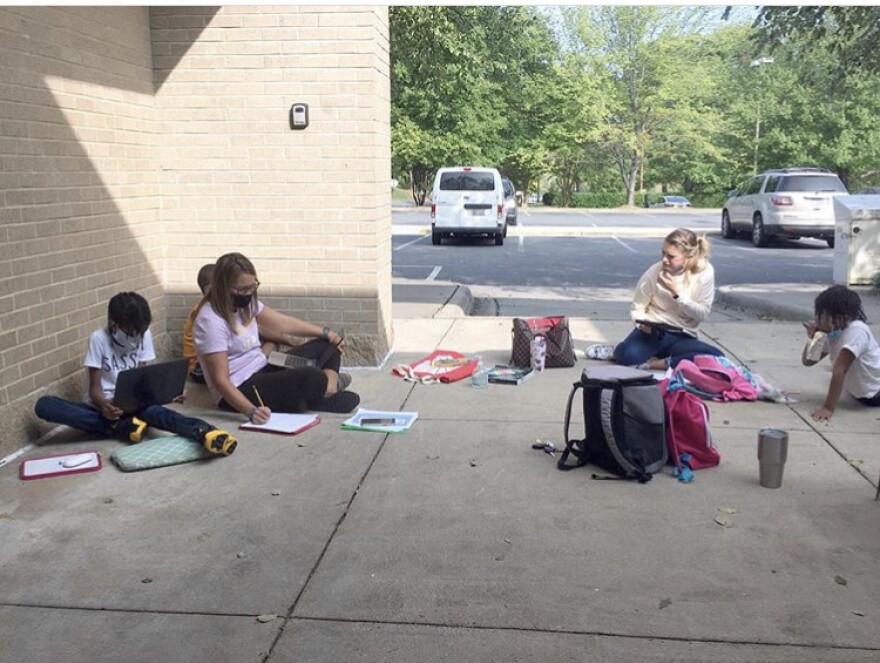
(760, 305)
(563, 231)
(459, 304)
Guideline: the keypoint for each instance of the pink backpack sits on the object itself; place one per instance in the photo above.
(687, 429)
(708, 377)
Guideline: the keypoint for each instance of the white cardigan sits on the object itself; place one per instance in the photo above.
(696, 291)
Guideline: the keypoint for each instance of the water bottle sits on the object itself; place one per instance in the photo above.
(480, 377)
(538, 348)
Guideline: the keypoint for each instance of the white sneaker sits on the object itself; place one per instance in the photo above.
(600, 351)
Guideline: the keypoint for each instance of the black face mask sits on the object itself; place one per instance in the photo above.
(242, 301)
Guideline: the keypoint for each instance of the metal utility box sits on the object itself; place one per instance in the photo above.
(856, 239)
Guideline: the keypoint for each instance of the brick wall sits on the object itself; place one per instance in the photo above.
(78, 193)
(310, 208)
(137, 144)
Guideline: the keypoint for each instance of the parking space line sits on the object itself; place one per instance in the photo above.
(403, 246)
(434, 272)
(624, 244)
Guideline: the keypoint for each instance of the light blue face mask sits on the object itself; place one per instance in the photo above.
(834, 334)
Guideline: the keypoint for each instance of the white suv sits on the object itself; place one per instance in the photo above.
(468, 201)
(510, 208)
(790, 202)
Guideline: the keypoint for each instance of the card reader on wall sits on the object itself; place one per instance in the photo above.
(299, 116)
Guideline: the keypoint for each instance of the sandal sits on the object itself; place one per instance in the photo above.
(407, 373)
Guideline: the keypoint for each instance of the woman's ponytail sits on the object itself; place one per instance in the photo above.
(695, 248)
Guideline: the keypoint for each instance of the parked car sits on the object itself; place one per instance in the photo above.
(468, 200)
(671, 201)
(510, 208)
(788, 202)
(870, 191)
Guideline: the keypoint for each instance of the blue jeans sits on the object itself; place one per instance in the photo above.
(639, 347)
(88, 418)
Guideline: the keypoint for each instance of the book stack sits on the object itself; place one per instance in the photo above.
(501, 374)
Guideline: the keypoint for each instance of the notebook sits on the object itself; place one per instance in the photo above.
(285, 360)
(155, 384)
(660, 325)
(284, 423)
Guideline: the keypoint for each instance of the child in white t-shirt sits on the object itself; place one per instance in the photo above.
(853, 349)
(125, 343)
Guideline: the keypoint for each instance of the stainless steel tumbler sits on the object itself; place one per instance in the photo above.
(772, 452)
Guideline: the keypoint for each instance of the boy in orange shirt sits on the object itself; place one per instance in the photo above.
(189, 346)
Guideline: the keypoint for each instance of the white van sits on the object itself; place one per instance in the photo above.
(468, 201)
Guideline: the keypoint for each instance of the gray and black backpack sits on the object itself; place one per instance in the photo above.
(624, 423)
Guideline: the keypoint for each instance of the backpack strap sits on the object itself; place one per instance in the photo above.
(635, 459)
(570, 445)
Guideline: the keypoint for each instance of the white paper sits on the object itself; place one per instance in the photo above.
(283, 422)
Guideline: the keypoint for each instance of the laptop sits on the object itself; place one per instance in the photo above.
(285, 360)
(156, 384)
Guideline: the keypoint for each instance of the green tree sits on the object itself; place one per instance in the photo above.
(646, 79)
(707, 136)
(810, 111)
(456, 75)
(849, 33)
(570, 113)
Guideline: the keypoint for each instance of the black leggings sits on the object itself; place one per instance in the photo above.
(874, 401)
(291, 389)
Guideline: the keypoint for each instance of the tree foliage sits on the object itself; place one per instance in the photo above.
(618, 99)
(849, 34)
(457, 77)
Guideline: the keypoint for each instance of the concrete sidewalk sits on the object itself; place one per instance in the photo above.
(456, 541)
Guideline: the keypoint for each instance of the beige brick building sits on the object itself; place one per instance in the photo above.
(139, 143)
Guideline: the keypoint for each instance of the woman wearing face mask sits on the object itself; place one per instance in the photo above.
(672, 298)
(227, 331)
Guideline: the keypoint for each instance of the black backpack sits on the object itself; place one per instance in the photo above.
(624, 423)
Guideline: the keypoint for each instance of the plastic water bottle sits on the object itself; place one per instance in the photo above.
(480, 377)
(538, 348)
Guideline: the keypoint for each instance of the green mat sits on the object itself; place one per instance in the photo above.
(159, 452)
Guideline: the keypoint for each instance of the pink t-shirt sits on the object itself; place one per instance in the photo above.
(242, 345)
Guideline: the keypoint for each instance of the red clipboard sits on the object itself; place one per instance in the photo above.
(59, 465)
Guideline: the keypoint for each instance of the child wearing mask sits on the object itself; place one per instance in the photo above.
(189, 346)
(126, 342)
(840, 330)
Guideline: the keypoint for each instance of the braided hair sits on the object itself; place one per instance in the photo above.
(840, 304)
(694, 247)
